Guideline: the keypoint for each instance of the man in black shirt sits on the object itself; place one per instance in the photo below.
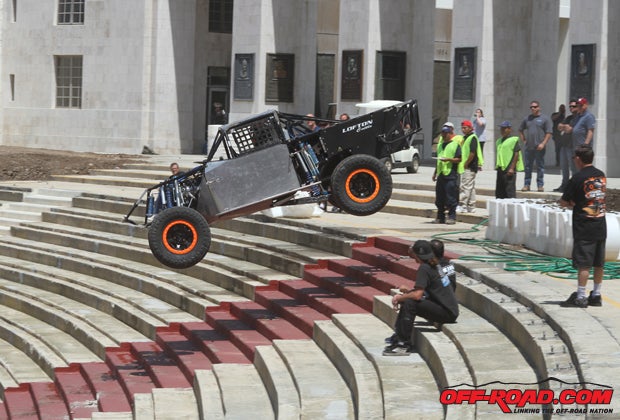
(431, 298)
(585, 193)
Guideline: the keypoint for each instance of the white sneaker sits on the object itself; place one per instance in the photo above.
(460, 209)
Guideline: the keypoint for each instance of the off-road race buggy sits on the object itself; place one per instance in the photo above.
(270, 159)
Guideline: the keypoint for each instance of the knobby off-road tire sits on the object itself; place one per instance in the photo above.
(179, 237)
(361, 185)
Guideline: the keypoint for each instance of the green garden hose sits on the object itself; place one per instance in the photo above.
(521, 260)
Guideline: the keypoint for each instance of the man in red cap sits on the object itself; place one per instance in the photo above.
(471, 163)
(583, 130)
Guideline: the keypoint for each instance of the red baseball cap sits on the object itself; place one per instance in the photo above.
(582, 101)
(467, 123)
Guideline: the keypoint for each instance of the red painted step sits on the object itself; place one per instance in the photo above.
(185, 353)
(376, 277)
(75, 391)
(354, 290)
(216, 346)
(48, 400)
(106, 386)
(3, 414)
(133, 377)
(401, 246)
(266, 322)
(397, 264)
(392, 244)
(238, 332)
(324, 301)
(163, 369)
(296, 312)
(19, 404)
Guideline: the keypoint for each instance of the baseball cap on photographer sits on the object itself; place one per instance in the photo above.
(422, 249)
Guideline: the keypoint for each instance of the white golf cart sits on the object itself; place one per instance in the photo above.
(409, 157)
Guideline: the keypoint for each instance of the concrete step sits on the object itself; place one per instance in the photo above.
(149, 173)
(68, 316)
(107, 180)
(117, 270)
(279, 384)
(221, 272)
(356, 369)
(575, 328)
(323, 393)
(18, 367)
(243, 392)
(121, 302)
(47, 346)
(413, 372)
(208, 396)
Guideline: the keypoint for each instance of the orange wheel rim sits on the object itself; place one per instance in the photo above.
(178, 232)
(362, 196)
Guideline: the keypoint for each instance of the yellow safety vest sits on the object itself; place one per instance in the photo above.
(505, 150)
(449, 151)
(466, 151)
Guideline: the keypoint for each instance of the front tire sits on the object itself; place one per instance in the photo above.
(361, 185)
(179, 237)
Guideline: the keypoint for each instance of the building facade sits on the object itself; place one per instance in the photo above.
(115, 76)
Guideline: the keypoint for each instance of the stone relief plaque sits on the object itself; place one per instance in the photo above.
(351, 80)
(280, 78)
(582, 71)
(464, 75)
(244, 77)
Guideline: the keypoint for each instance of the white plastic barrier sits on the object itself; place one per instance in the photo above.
(543, 227)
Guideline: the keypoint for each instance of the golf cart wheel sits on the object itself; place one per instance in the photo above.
(361, 184)
(388, 163)
(179, 237)
(414, 166)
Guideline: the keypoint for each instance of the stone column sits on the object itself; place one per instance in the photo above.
(263, 27)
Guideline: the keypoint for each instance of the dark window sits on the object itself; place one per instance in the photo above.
(68, 81)
(390, 80)
(70, 12)
(220, 16)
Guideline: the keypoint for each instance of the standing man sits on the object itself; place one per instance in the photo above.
(508, 160)
(567, 165)
(583, 128)
(585, 193)
(470, 164)
(535, 131)
(446, 175)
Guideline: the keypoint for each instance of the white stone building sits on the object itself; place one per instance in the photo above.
(118, 75)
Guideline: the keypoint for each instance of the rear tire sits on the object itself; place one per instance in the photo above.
(179, 237)
(414, 166)
(361, 185)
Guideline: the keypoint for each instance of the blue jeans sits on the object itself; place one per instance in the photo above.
(531, 157)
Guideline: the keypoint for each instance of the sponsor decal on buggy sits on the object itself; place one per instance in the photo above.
(364, 125)
(579, 400)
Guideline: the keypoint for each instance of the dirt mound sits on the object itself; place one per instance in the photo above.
(25, 164)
